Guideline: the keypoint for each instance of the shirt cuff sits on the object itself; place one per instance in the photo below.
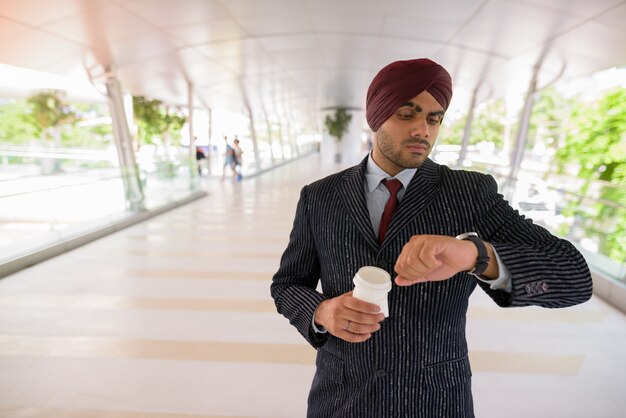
(503, 282)
(321, 329)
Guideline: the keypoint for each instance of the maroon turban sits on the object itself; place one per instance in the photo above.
(399, 82)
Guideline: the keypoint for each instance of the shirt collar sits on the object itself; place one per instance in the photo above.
(374, 174)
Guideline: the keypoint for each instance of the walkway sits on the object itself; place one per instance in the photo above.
(172, 318)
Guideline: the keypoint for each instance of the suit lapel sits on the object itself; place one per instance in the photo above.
(423, 188)
(351, 193)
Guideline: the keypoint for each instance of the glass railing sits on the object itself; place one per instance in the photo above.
(37, 210)
(49, 195)
(590, 216)
(52, 194)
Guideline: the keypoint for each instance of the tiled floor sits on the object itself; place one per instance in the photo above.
(172, 318)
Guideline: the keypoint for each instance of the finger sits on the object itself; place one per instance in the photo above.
(358, 328)
(366, 318)
(354, 338)
(428, 257)
(358, 305)
(403, 281)
(409, 262)
(411, 270)
(417, 266)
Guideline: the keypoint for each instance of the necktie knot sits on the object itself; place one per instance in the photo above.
(394, 186)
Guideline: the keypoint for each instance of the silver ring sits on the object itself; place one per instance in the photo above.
(347, 326)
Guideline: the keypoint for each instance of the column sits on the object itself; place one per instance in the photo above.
(124, 145)
(193, 163)
(468, 130)
(522, 133)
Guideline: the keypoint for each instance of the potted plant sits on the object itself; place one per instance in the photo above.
(337, 127)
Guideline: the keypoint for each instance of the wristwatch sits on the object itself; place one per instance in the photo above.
(482, 261)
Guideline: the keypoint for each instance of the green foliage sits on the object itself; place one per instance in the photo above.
(338, 125)
(152, 121)
(148, 118)
(595, 143)
(15, 128)
(98, 136)
(173, 124)
(48, 110)
(489, 123)
(18, 126)
(596, 139)
(451, 132)
(546, 122)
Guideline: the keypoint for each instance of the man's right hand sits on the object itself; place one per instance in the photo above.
(349, 318)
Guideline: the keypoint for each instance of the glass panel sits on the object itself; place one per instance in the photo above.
(51, 191)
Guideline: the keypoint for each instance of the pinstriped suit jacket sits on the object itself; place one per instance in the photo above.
(416, 365)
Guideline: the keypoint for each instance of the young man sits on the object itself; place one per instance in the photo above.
(450, 231)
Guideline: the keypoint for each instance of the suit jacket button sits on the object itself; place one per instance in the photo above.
(381, 373)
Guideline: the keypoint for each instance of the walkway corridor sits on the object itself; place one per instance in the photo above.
(172, 318)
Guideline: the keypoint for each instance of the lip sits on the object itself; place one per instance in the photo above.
(417, 148)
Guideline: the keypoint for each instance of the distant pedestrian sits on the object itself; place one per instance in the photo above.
(238, 154)
(229, 160)
(200, 156)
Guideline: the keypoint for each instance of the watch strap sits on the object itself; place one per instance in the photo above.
(482, 261)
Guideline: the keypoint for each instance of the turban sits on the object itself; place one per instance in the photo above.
(399, 82)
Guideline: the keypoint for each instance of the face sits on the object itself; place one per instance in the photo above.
(406, 139)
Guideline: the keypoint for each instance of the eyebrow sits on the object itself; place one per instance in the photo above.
(419, 109)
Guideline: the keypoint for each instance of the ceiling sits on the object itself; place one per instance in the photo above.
(291, 58)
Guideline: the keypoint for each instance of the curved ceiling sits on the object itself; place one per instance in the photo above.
(294, 57)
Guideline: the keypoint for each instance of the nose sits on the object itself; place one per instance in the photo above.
(419, 129)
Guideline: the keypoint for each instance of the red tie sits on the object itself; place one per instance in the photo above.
(393, 186)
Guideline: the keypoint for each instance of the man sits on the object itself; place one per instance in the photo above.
(200, 155)
(229, 160)
(414, 364)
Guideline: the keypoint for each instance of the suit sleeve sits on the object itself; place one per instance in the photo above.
(545, 270)
(293, 285)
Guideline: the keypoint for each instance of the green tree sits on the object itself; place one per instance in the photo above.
(451, 132)
(154, 122)
(148, 118)
(49, 112)
(14, 126)
(489, 123)
(173, 125)
(550, 111)
(595, 142)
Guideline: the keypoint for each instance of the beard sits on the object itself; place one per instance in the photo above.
(394, 151)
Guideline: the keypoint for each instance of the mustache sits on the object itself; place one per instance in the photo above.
(416, 141)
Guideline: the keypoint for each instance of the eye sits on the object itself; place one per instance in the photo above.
(434, 120)
(405, 114)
